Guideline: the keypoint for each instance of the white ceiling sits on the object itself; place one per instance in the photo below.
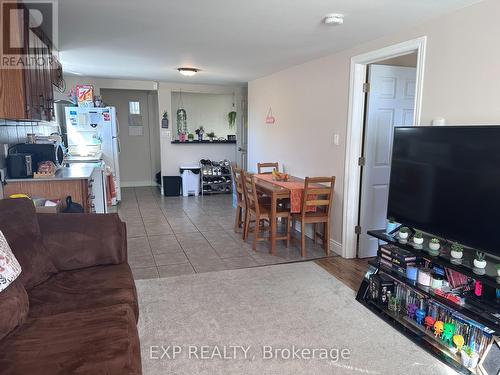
(232, 41)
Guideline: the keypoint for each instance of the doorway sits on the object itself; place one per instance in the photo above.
(139, 137)
(369, 148)
(390, 99)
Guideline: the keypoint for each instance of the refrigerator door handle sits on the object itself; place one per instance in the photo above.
(118, 144)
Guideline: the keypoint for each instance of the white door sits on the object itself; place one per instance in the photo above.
(390, 103)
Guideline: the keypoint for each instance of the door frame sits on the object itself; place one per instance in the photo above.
(355, 125)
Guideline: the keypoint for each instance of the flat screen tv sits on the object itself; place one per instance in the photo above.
(445, 180)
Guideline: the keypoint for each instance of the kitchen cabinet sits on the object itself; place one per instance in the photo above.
(27, 94)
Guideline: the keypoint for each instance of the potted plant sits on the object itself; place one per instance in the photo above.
(403, 233)
(190, 137)
(434, 244)
(469, 357)
(418, 238)
(391, 225)
(199, 132)
(479, 261)
(498, 269)
(457, 250)
(211, 136)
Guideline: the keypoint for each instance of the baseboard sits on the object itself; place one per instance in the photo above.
(137, 184)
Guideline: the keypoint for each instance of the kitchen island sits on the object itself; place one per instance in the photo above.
(83, 182)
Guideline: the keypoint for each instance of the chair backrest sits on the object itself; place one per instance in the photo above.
(237, 178)
(250, 191)
(318, 192)
(262, 168)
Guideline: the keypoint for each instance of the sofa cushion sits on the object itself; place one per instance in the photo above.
(14, 308)
(9, 266)
(84, 288)
(96, 341)
(19, 224)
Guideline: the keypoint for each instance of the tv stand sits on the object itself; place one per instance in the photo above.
(472, 314)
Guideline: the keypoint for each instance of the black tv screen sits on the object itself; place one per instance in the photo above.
(446, 181)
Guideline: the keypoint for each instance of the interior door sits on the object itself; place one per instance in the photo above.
(134, 135)
(390, 103)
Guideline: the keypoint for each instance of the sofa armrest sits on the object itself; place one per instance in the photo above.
(83, 240)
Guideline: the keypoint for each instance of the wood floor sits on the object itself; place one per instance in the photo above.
(349, 271)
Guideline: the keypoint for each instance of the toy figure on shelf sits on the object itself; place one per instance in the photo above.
(459, 341)
(438, 328)
(429, 322)
(410, 310)
(448, 332)
(419, 315)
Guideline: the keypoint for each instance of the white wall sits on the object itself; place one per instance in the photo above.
(173, 155)
(310, 101)
(207, 110)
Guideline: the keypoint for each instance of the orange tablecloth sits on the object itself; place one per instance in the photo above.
(296, 192)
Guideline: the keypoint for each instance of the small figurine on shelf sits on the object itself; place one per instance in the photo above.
(448, 332)
(469, 357)
(190, 137)
(419, 316)
(199, 132)
(429, 322)
(411, 309)
(438, 328)
(459, 341)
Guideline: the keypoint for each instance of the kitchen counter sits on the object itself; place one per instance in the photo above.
(74, 171)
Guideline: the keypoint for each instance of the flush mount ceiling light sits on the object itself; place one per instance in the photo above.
(334, 19)
(188, 72)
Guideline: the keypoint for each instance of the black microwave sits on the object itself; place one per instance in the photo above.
(41, 152)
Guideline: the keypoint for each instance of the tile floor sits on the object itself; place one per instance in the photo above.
(170, 236)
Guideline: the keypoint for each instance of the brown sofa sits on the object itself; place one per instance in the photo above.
(73, 309)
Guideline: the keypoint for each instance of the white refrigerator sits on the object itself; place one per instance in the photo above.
(93, 136)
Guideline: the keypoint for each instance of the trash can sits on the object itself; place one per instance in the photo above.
(172, 186)
(190, 180)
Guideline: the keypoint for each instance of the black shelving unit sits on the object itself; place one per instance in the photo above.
(215, 179)
(481, 314)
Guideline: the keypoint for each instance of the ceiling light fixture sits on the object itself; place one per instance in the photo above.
(188, 72)
(334, 19)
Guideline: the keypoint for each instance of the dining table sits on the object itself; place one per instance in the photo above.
(291, 189)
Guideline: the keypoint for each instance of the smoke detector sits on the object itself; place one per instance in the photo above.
(334, 19)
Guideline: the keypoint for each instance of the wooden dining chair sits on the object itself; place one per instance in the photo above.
(262, 168)
(317, 200)
(240, 197)
(259, 212)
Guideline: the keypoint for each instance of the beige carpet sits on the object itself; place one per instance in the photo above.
(268, 312)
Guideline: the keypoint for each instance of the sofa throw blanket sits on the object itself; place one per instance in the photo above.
(9, 266)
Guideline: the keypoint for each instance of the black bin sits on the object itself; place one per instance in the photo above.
(172, 186)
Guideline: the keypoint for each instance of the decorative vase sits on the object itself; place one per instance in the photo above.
(469, 362)
(479, 264)
(403, 236)
(456, 254)
(434, 246)
(418, 241)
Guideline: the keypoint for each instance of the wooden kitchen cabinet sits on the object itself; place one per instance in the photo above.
(27, 94)
(80, 190)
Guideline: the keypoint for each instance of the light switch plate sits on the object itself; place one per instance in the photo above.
(336, 139)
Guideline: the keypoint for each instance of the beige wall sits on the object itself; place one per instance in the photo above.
(310, 101)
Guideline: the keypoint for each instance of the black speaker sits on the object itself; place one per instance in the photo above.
(172, 186)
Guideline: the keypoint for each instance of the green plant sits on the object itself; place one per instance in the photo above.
(181, 121)
(211, 135)
(480, 256)
(434, 240)
(468, 350)
(497, 266)
(231, 119)
(418, 234)
(190, 136)
(457, 247)
(404, 230)
(392, 220)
